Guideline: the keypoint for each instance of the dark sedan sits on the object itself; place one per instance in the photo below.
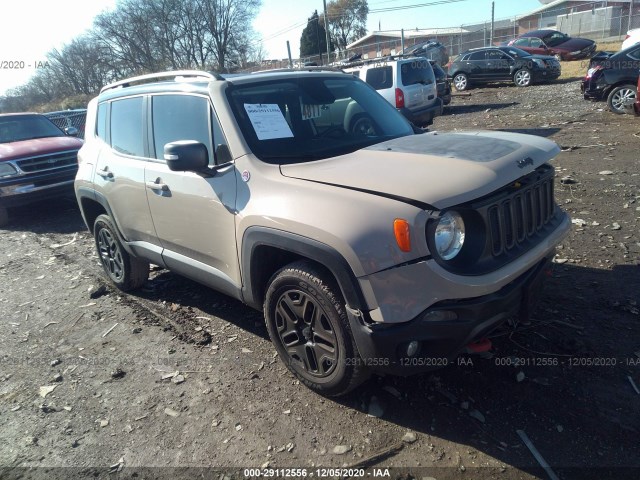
(495, 64)
(558, 44)
(614, 78)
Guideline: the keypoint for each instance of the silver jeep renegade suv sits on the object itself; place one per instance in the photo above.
(370, 246)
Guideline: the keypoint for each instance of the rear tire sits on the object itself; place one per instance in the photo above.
(461, 82)
(308, 325)
(622, 98)
(125, 272)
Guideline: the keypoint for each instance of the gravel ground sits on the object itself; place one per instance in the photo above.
(94, 381)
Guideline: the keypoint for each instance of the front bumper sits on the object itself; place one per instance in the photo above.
(546, 74)
(24, 189)
(383, 347)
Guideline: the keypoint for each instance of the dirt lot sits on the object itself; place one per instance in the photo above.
(118, 403)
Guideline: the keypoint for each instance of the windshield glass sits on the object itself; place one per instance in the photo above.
(15, 128)
(515, 52)
(294, 120)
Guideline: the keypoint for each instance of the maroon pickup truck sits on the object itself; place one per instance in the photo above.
(37, 160)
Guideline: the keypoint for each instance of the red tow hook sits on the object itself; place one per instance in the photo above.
(481, 346)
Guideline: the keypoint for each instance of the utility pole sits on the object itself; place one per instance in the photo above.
(326, 31)
(630, 15)
(289, 52)
(493, 16)
(402, 40)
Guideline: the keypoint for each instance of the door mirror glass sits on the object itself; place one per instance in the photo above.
(71, 131)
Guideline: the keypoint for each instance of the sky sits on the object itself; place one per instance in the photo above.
(31, 28)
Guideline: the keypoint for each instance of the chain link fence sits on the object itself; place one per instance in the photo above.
(69, 118)
(601, 21)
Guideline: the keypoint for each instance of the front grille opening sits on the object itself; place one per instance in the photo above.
(524, 213)
(48, 162)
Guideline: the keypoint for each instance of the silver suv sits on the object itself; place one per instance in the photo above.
(370, 246)
(409, 84)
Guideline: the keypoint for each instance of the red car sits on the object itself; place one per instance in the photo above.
(553, 42)
(37, 160)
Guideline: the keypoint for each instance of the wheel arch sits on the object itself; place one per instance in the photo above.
(92, 204)
(265, 251)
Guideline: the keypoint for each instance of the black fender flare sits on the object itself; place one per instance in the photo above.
(314, 250)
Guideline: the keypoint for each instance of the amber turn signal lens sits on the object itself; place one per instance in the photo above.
(401, 231)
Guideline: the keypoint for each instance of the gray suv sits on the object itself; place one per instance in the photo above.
(370, 245)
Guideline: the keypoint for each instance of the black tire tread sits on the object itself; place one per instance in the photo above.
(136, 269)
(310, 273)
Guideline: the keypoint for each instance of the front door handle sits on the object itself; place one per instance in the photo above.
(157, 185)
(105, 173)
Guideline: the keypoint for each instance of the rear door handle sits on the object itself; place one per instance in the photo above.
(158, 186)
(105, 173)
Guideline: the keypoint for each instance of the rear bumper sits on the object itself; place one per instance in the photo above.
(383, 347)
(22, 190)
(423, 116)
(592, 91)
(545, 75)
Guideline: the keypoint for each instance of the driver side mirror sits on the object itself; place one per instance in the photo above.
(186, 156)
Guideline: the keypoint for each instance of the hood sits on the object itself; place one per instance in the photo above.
(37, 146)
(574, 44)
(433, 170)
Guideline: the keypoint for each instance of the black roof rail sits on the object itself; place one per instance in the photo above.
(128, 82)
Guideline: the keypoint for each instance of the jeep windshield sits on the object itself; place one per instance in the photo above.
(294, 120)
(16, 128)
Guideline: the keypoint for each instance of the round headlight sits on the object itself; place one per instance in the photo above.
(449, 235)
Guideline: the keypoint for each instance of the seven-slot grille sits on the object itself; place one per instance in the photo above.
(48, 162)
(522, 214)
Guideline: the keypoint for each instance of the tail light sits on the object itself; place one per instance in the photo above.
(592, 72)
(627, 36)
(399, 98)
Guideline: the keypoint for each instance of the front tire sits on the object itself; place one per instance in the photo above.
(522, 78)
(125, 272)
(461, 82)
(308, 325)
(622, 98)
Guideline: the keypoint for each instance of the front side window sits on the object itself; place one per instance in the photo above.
(555, 39)
(126, 126)
(180, 117)
(477, 56)
(308, 118)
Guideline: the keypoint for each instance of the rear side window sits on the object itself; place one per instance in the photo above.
(101, 121)
(417, 72)
(380, 77)
(126, 126)
(181, 117)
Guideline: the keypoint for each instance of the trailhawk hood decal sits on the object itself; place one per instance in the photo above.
(437, 169)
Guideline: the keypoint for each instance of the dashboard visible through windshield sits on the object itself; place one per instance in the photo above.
(297, 120)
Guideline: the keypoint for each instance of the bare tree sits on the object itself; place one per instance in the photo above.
(229, 24)
(347, 21)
